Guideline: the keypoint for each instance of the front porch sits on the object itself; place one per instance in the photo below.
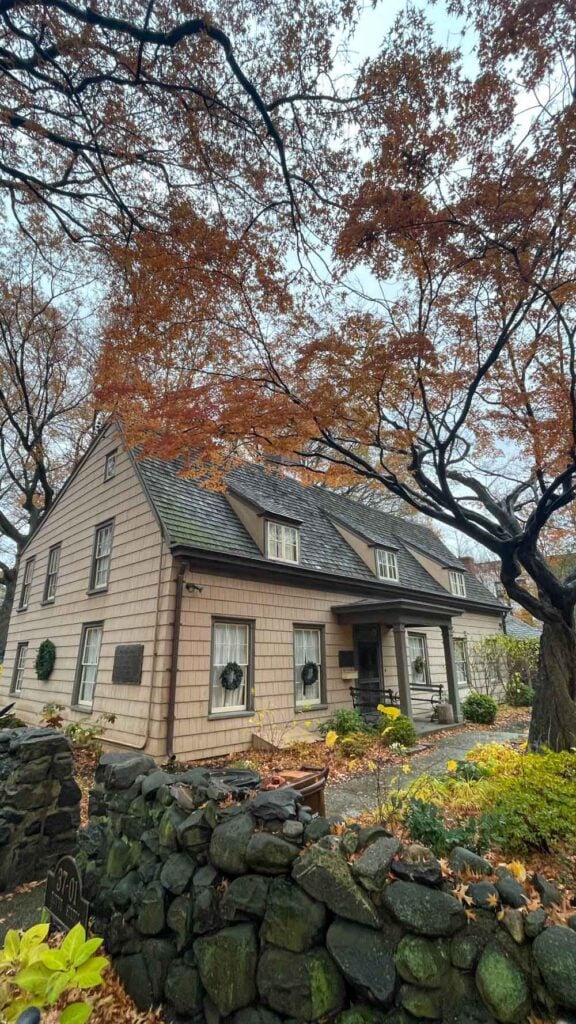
(392, 662)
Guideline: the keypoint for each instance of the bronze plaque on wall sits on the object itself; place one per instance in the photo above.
(128, 664)
(346, 659)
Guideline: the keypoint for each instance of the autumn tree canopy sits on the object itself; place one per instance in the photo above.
(429, 344)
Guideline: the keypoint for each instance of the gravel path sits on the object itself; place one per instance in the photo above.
(358, 794)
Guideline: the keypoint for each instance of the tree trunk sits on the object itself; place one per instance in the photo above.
(6, 609)
(553, 721)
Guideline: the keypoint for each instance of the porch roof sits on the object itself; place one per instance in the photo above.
(396, 611)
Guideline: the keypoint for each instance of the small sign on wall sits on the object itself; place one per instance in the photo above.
(346, 659)
(127, 667)
(64, 900)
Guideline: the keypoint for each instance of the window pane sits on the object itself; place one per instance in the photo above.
(231, 643)
(386, 564)
(282, 542)
(89, 664)
(307, 647)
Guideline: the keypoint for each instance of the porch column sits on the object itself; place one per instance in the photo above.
(453, 692)
(402, 669)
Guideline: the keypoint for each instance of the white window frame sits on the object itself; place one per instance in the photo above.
(102, 557)
(26, 584)
(110, 465)
(312, 637)
(461, 662)
(225, 648)
(19, 666)
(87, 672)
(52, 571)
(282, 542)
(457, 582)
(422, 641)
(387, 564)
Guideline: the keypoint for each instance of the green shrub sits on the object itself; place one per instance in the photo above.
(343, 722)
(35, 974)
(518, 693)
(426, 826)
(480, 708)
(398, 730)
(355, 744)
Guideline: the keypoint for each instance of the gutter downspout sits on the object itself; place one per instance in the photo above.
(174, 660)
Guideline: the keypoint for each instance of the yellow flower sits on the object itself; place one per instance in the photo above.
(308, 724)
(406, 769)
(391, 713)
(451, 766)
(331, 739)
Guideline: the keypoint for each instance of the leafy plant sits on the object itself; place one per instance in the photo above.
(32, 973)
(343, 722)
(480, 708)
(518, 693)
(52, 715)
(497, 659)
(8, 720)
(397, 729)
(355, 744)
(87, 735)
(427, 826)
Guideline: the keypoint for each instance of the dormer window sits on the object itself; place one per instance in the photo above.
(282, 542)
(387, 564)
(457, 583)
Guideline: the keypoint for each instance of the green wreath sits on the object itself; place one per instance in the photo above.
(309, 674)
(45, 659)
(231, 676)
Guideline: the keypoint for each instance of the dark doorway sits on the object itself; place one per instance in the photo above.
(368, 690)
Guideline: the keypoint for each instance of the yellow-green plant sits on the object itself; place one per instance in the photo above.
(32, 973)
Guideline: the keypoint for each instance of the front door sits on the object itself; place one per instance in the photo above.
(369, 661)
(417, 657)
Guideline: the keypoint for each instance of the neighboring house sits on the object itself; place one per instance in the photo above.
(521, 630)
(150, 585)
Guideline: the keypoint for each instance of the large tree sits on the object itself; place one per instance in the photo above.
(455, 388)
(47, 355)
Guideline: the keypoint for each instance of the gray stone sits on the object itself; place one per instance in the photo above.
(422, 910)
(502, 986)
(369, 834)
(293, 830)
(554, 951)
(152, 782)
(276, 804)
(463, 861)
(151, 917)
(513, 921)
(123, 772)
(467, 946)
(227, 963)
(305, 986)
(179, 920)
(549, 894)
(193, 833)
(229, 844)
(204, 876)
(416, 863)
(316, 829)
(572, 922)
(205, 911)
(511, 892)
(327, 877)
(177, 873)
(255, 1015)
(534, 922)
(293, 920)
(363, 957)
(134, 976)
(168, 827)
(422, 961)
(126, 890)
(120, 858)
(158, 955)
(485, 895)
(245, 897)
(270, 854)
(183, 989)
(422, 1003)
(373, 867)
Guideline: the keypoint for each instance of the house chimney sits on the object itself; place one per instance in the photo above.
(468, 563)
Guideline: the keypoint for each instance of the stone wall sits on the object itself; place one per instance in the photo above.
(252, 912)
(39, 803)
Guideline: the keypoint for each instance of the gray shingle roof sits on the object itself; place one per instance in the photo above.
(522, 630)
(195, 517)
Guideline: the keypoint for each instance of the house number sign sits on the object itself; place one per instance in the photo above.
(64, 900)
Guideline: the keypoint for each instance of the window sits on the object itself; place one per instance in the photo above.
(110, 465)
(457, 583)
(52, 573)
(88, 664)
(282, 542)
(386, 564)
(26, 584)
(460, 661)
(418, 659)
(231, 645)
(308, 651)
(19, 663)
(101, 560)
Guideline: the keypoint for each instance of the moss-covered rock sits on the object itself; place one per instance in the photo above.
(306, 986)
(151, 917)
(244, 898)
(293, 920)
(555, 954)
(229, 844)
(183, 989)
(502, 985)
(422, 910)
(363, 957)
(325, 875)
(270, 854)
(467, 946)
(227, 963)
(422, 961)
(424, 1003)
